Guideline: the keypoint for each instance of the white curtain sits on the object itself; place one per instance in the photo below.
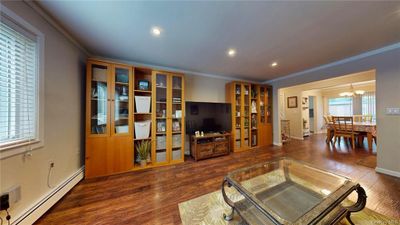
(369, 104)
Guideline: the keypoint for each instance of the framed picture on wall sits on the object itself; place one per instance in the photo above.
(292, 102)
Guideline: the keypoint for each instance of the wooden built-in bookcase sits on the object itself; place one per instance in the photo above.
(251, 114)
(111, 114)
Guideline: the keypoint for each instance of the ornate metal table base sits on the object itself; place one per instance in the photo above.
(344, 212)
(227, 200)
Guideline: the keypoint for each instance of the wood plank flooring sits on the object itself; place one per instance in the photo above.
(152, 196)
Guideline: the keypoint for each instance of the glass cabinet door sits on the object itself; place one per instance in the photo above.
(246, 115)
(262, 105)
(121, 100)
(99, 99)
(238, 121)
(161, 118)
(177, 123)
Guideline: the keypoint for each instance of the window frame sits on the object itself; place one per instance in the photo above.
(26, 146)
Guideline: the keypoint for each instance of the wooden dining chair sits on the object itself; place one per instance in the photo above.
(362, 118)
(329, 129)
(367, 118)
(357, 118)
(343, 127)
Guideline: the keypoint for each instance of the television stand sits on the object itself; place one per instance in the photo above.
(210, 145)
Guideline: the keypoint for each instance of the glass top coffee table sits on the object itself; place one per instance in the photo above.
(286, 191)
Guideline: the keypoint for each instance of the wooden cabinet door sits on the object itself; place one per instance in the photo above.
(96, 157)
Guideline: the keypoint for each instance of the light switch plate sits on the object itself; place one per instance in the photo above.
(392, 111)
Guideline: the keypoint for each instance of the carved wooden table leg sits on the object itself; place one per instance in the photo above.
(227, 200)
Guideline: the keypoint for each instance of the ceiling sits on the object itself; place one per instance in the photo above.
(196, 35)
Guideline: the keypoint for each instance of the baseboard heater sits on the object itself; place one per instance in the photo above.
(34, 212)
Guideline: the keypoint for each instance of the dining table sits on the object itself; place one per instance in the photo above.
(365, 127)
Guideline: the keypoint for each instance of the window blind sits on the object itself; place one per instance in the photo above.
(18, 85)
(342, 106)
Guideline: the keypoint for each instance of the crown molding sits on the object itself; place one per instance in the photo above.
(166, 68)
(45, 15)
(339, 62)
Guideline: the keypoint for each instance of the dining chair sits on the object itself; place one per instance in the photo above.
(367, 118)
(362, 118)
(358, 118)
(329, 129)
(343, 126)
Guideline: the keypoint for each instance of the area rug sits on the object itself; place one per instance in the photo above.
(208, 210)
(369, 161)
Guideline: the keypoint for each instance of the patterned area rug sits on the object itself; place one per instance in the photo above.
(208, 210)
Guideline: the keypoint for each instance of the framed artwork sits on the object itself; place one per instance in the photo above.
(143, 85)
(292, 102)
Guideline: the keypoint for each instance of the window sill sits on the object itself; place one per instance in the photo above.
(20, 148)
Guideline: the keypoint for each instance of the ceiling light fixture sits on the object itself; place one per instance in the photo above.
(352, 92)
(156, 31)
(274, 64)
(231, 52)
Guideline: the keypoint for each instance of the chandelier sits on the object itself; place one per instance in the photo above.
(352, 92)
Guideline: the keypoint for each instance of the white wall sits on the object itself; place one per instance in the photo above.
(294, 114)
(386, 62)
(64, 118)
(204, 89)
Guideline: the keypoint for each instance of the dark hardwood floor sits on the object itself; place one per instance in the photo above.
(152, 196)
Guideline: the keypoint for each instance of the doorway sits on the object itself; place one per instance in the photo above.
(311, 111)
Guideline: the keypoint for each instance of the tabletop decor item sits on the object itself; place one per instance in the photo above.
(143, 85)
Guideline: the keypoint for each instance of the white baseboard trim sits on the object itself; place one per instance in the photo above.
(277, 143)
(387, 172)
(34, 212)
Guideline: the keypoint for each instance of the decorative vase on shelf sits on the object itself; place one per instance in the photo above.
(253, 106)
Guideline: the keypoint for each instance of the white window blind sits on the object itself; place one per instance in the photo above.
(18, 85)
(342, 106)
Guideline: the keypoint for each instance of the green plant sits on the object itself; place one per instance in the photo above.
(143, 149)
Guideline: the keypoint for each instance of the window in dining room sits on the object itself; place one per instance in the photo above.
(341, 106)
(368, 102)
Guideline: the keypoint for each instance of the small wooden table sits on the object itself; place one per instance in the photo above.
(368, 127)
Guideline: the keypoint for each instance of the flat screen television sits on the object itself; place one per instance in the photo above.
(208, 117)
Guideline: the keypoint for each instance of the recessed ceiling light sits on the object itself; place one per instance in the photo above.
(274, 64)
(231, 52)
(156, 31)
